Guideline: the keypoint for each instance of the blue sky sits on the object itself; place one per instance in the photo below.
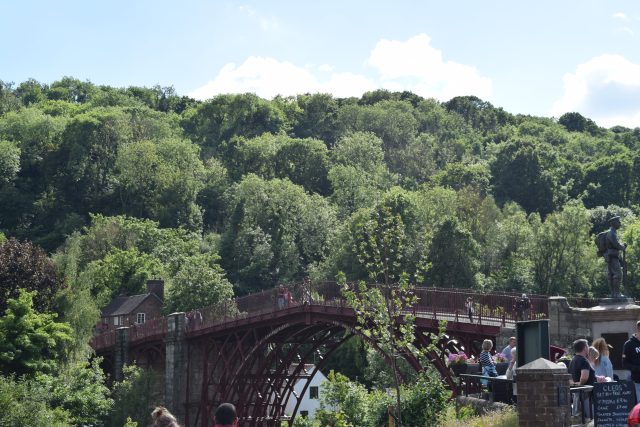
(541, 58)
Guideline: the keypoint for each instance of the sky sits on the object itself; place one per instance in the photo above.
(542, 58)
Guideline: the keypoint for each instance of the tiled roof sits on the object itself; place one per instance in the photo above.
(125, 305)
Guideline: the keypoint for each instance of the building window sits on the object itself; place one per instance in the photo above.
(313, 392)
(140, 317)
(304, 414)
(116, 321)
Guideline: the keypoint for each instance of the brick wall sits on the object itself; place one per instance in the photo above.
(543, 394)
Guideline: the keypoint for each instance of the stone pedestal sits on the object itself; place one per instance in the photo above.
(175, 365)
(543, 394)
(612, 315)
(121, 352)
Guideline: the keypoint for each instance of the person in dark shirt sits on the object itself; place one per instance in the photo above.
(581, 371)
(631, 358)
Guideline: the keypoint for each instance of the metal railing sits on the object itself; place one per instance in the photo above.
(496, 309)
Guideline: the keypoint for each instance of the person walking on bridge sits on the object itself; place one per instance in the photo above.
(469, 306)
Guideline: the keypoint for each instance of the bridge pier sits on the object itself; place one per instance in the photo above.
(120, 352)
(175, 365)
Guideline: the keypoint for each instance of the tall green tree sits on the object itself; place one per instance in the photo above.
(383, 314)
(31, 342)
(452, 256)
(219, 119)
(200, 282)
(526, 171)
(563, 255)
(161, 181)
(273, 231)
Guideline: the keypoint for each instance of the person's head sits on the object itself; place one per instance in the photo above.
(593, 354)
(615, 222)
(601, 345)
(163, 418)
(638, 326)
(226, 415)
(524, 296)
(580, 346)
(512, 342)
(487, 345)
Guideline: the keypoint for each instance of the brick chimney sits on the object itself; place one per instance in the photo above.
(156, 286)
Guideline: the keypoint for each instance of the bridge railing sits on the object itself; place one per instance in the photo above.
(437, 303)
(104, 340)
(152, 328)
(487, 307)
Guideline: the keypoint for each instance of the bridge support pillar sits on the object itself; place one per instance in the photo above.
(175, 365)
(120, 352)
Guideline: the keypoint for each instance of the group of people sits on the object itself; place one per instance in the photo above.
(590, 364)
(284, 297)
(522, 307)
(488, 365)
(225, 416)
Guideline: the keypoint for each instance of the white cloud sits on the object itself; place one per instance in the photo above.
(411, 65)
(423, 70)
(620, 15)
(268, 77)
(606, 89)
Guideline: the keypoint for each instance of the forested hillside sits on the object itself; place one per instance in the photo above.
(147, 181)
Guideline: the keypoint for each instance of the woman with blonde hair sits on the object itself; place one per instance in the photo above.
(163, 418)
(602, 364)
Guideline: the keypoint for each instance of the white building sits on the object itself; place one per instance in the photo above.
(310, 402)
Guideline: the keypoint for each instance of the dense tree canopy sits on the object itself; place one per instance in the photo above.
(284, 181)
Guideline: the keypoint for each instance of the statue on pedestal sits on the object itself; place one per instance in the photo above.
(613, 254)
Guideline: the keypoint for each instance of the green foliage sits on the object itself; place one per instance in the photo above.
(525, 171)
(120, 272)
(452, 256)
(72, 149)
(81, 391)
(219, 119)
(31, 342)
(631, 236)
(199, 282)
(383, 314)
(343, 403)
(161, 181)
(563, 251)
(273, 231)
(348, 403)
(135, 396)
(25, 402)
(465, 417)
(9, 161)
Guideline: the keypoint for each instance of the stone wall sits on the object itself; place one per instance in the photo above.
(566, 324)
